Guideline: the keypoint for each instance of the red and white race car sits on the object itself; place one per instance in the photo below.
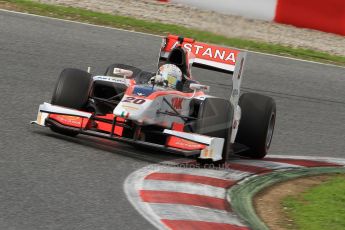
(166, 110)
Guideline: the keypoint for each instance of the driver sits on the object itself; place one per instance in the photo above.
(168, 75)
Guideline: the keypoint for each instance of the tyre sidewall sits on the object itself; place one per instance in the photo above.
(257, 111)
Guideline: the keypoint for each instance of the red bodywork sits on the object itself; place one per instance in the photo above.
(180, 143)
(86, 123)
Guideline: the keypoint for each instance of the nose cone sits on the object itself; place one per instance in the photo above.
(136, 109)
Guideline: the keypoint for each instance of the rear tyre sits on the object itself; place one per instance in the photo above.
(257, 124)
(72, 91)
(214, 119)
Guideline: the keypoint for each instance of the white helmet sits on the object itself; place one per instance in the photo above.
(168, 75)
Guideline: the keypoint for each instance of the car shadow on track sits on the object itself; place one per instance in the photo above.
(136, 153)
(159, 158)
(140, 154)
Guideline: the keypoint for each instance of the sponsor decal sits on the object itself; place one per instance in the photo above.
(188, 144)
(180, 143)
(125, 114)
(143, 91)
(203, 50)
(207, 152)
(69, 120)
(130, 107)
(206, 52)
(176, 102)
(137, 101)
(110, 78)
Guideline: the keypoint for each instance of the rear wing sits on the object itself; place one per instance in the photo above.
(205, 56)
(215, 58)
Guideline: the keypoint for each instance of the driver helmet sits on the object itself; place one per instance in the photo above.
(168, 75)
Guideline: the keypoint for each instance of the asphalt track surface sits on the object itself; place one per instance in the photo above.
(48, 181)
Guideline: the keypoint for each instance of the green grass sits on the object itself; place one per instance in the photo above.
(322, 207)
(129, 23)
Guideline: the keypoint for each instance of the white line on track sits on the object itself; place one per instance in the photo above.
(153, 35)
(265, 164)
(316, 158)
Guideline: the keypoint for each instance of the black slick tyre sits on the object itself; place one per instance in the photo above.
(71, 91)
(257, 124)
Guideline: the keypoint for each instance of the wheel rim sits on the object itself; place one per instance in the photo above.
(270, 131)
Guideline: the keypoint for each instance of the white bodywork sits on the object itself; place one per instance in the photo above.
(149, 113)
(235, 94)
(45, 109)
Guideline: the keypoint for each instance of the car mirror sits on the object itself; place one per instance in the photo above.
(123, 72)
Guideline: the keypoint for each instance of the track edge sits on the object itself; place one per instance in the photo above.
(241, 195)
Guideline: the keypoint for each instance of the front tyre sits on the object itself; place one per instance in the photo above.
(71, 90)
(257, 124)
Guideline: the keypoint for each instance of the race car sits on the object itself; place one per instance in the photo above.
(166, 110)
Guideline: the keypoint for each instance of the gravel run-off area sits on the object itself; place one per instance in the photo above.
(230, 26)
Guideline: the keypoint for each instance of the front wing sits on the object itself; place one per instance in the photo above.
(111, 127)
